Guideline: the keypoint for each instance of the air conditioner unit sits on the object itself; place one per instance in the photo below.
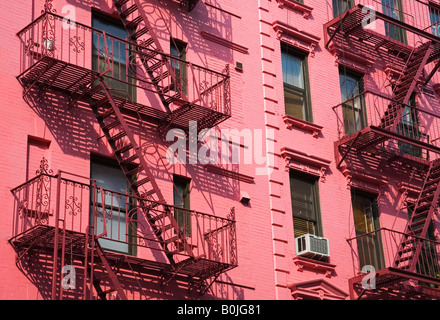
(311, 246)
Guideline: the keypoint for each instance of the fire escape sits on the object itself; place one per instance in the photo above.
(54, 59)
(383, 131)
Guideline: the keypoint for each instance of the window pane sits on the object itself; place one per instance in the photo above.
(181, 198)
(353, 111)
(393, 8)
(434, 15)
(292, 70)
(295, 83)
(340, 6)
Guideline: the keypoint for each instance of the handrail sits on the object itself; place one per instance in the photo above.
(118, 39)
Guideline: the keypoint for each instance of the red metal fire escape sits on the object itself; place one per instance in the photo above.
(390, 129)
(205, 100)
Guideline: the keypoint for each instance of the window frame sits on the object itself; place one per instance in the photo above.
(352, 123)
(304, 93)
(183, 217)
(316, 204)
(338, 7)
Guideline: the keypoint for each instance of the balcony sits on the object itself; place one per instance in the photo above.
(379, 251)
(386, 31)
(55, 213)
(381, 129)
(69, 57)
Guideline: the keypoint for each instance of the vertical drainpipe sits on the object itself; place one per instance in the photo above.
(56, 237)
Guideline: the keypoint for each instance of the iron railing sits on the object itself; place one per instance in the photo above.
(127, 64)
(379, 249)
(413, 124)
(120, 220)
(415, 13)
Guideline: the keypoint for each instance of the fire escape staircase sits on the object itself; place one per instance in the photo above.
(403, 89)
(411, 246)
(156, 66)
(133, 164)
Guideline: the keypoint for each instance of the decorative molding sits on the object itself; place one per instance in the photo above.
(295, 37)
(410, 190)
(352, 60)
(315, 265)
(297, 6)
(316, 289)
(367, 181)
(301, 161)
(228, 173)
(292, 122)
(223, 42)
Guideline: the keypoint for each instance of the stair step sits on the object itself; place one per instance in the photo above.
(120, 3)
(128, 11)
(139, 34)
(106, 113)
(140, 182)
(118, 136)
(162, 76)
(130, 159)
(172, 239)
(156, 65)
(124, 148)
(134, 23)
(111, 125)
(134, 171)
(175, 97)
(101, 102)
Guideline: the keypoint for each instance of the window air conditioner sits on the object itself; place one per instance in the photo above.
(311, 246)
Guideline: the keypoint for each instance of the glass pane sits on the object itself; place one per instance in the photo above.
(303, 198)
(292, 70)
(340, 6)
(302, 227)
(393, 8)
(181, 196)
(294, 102)
(434, 15)
(352, 111)
(111, 178)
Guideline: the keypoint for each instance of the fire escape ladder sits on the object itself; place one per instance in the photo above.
(94, 259)
(412, 243)
(133, 164)
(150, 51)
(406, 85)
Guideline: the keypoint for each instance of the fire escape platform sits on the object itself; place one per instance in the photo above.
(77, 82)
(350, 25)
(371, 139)
(41, 238)
(388, 277)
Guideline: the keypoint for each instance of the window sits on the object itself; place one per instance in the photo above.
(181, 198)
(408, 126)
(340, 6)
(366, 221)
(305, 204)
(122, 75)
(109, 176)
(393, 9)
(353, 110)
(295, 80)
(178, 50)
(434, 15)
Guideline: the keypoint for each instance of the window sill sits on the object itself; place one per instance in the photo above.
(292, 122)
(314, 265)
(297, 6)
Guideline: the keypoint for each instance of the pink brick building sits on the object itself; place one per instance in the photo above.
(165, 149)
